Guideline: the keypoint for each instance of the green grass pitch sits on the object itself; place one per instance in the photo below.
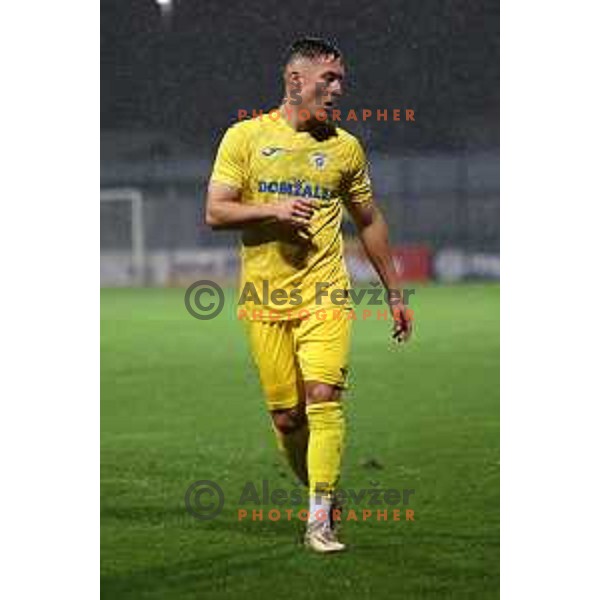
(181, 402)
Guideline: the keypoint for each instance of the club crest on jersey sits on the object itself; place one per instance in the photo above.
(318, 160)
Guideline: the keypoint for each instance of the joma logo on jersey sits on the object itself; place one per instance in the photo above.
(295, 188)
(272, 151)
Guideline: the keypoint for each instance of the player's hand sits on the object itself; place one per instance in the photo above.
(403, 322)
(295, 212)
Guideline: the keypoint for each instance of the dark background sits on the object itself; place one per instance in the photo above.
(188, 77)
(172, 86)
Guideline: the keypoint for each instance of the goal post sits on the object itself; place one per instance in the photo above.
(135, 199)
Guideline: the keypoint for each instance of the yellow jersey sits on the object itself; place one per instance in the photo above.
(285, 271)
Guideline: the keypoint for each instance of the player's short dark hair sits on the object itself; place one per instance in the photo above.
(311, 48)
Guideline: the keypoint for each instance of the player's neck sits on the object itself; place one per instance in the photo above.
(291, 115)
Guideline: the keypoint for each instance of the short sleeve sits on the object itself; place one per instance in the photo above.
(231, 162)
(357, 189)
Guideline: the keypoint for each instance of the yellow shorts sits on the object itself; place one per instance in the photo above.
(288, 352)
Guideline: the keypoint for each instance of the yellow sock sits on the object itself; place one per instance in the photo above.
(326, 442)
(294, 446)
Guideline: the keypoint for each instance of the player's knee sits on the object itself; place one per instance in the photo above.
(288, 420)
(321, 392)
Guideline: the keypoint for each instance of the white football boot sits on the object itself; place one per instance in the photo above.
(320, 538)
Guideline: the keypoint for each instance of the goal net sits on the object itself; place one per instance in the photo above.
(122, 247)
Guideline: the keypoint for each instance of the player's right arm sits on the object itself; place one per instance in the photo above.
(225, 209)
(225, 206)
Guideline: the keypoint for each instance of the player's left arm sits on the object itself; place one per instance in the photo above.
(373, 233)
